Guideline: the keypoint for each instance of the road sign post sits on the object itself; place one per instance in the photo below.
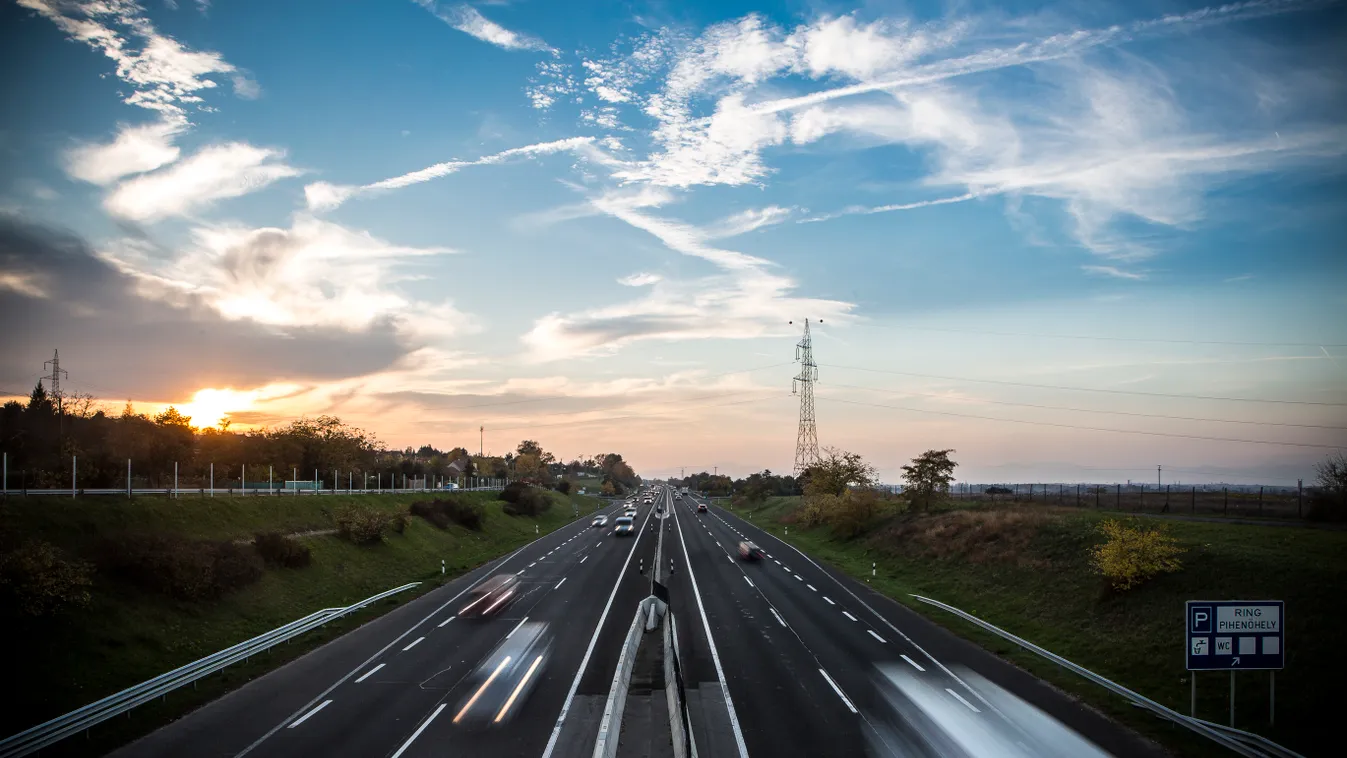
(1230, 635)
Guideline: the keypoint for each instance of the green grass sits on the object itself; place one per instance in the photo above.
(1031, 576)
(127, 635)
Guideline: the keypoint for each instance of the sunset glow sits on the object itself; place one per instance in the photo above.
(211, 406)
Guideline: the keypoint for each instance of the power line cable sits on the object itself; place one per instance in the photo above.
(1159, 340)
(1086, 428)
(1091, 389)
(1092, 410)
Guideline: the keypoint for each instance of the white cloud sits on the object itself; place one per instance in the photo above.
(315, 273)
(163, 74)
(135, 150)
(468, 20)
(322, 196)
(246, 87)
(860, 51)
(1114, 272)
(744, 222)
(639, 280)
(745, 300)
(214, 173)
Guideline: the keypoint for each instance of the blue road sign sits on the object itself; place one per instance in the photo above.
(1235, 634)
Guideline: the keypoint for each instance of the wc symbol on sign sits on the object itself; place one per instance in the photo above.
(1200, 620)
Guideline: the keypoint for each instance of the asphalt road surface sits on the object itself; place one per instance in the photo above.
(776, 657)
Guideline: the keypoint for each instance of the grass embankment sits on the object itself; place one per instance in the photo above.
(1026, 569)
(128, 634)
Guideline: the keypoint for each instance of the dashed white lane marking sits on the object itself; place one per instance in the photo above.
(563, 581)
(582, 560)
(915, 665)
(778, 563)
(531, 565)
(800, 578)
(419, 729)
(415, 642)
(876, 636)
(779, 620)
(731, 558)
(830, 600)
(848, 615)
(368, 674)
(838, 690)
(516, 627)
(812, 587)
(959, 697)
(442, 623)
(306, 716)
(750, 581)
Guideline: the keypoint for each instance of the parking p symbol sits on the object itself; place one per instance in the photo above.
(1201, 619)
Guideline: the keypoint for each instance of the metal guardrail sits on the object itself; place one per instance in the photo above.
(1242, 742)
(224, 491)
(43, 735)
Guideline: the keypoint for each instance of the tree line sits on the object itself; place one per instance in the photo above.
(40, 438)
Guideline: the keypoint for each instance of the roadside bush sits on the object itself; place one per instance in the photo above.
(398, 522)
(855, 513)
(42, 581)
(564, 486)
(181, 568)
(442, 512)
(362, 526)
(522, 500)
(278, 550)
(1133, 554)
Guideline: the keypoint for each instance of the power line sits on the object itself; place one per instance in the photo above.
(1085, 428)
(1093, 389)
(1092, 410)
(1159, 340)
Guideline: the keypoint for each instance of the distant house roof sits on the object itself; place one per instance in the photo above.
(458, 466)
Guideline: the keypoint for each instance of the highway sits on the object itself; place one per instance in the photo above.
(777, 657)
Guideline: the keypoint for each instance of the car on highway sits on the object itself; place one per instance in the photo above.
(501, 682)
(630, 512)
(701, 507)
(624, 527)
(749, 551)
(491, 596)
(599, 521)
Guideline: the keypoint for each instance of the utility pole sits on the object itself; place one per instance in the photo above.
(55, 378)
(1157, 478)
(806, 440)
(481, 440)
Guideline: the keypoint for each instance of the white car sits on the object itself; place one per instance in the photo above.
(599, 521)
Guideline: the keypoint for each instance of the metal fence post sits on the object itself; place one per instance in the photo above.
(1225, 506)
(1300, 496)
(212, 479)
(72, 477)
(175, 479)
(128, 478)
(1260, 501)
(1194, 505)
(1119, 504)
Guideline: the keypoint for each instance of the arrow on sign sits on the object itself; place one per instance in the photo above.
(1235, 662)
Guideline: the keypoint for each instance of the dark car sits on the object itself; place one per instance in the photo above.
(490, 596)
(749, 551)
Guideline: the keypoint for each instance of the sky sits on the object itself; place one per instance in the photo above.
(1071, 241)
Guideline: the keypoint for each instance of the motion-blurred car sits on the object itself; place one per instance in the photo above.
(491, 596)
(599, 521)
(501, 683)
(917, 717)
(749, 551)
(624, 526)
(701, 507)
(630, 513)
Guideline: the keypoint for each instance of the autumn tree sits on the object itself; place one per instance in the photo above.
(928, 477)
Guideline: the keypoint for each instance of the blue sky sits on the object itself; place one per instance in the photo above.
(591, 224)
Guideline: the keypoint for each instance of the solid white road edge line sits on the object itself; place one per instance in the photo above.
(306, 716)
(711, 643)
(915, 665)
(838, 690)
(959, 697)
(415, 642)
(419, 729)
(876, 636)
(589, 651)
(369, 673)
(484, 569)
